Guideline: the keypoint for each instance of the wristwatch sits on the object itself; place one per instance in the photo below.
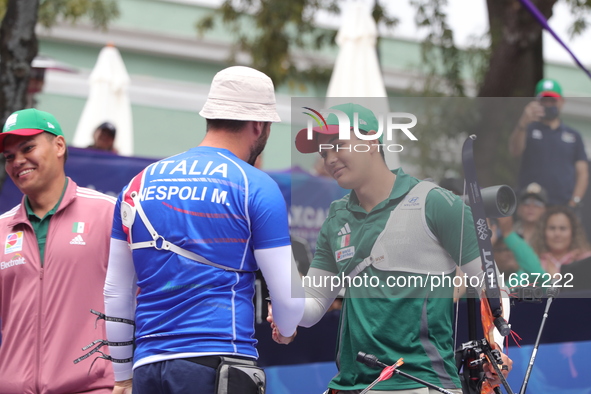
(576, 199)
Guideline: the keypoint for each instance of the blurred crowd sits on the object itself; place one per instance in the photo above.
(545, 235)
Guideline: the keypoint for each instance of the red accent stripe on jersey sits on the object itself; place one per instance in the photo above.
(206, 214)
(134, 185)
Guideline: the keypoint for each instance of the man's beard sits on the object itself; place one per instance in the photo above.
(258, 146)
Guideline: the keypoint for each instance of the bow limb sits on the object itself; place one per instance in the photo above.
(491, 306)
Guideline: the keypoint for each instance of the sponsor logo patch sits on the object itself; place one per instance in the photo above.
(344, 254)
(77, 240)
(345, 229)
(569, 138)
(17, 259)
(14, 242)
(11, 121)
(412, 202)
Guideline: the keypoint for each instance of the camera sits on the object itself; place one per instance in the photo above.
(499, 201)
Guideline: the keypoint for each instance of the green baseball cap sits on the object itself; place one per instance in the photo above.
(366, 119)
(548, 88)
(30, 122)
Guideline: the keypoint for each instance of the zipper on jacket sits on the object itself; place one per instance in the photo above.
(39, 335)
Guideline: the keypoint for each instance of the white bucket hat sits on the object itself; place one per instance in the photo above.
(241, 93)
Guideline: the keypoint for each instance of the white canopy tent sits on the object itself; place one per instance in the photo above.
(108, 101)
(357, 71)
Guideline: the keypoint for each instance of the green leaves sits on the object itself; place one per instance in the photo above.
(439, 53)
(581, 9)
(98, 12)
(272, 31)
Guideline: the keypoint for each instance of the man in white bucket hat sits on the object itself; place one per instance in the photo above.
(191, 230)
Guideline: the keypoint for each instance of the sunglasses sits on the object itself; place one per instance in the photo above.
(534, 202)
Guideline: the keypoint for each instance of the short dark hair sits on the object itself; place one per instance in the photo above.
(51, 137)
(226, 124)
(108, 127)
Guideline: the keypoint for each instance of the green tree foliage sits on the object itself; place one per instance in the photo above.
(18, 42)
(99, 12)
(439, 53)
(581, 10)
(281, 28)
(506, 62)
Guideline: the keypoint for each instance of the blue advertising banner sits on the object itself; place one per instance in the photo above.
(102, 171)
(559, 368)
(307, 197)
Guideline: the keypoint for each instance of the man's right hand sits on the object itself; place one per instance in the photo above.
(533, 112)
(276, 335)
(123, 387)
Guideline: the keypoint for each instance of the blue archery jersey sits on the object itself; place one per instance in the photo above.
(209, 202)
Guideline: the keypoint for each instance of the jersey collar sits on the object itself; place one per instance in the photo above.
(401, 186)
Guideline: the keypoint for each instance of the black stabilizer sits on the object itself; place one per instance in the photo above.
(552, 292)
(502, 325)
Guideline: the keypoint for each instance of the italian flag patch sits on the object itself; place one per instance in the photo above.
(79, 227)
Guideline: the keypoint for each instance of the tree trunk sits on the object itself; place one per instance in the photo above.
(516, 65)
(18, 48)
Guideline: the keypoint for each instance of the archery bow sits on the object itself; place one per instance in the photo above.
(491, 307)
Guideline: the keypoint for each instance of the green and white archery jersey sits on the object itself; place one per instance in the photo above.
(398, 262)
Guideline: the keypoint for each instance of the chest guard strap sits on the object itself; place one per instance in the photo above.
(158, 242)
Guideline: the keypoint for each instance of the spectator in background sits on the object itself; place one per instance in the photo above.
(54, 263)
(512, 254)
(104, 137)
(552, 154)
(560, 239)
(532, 205)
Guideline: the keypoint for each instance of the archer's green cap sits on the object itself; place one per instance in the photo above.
(367, 121)
(30, 122)
(548, 88)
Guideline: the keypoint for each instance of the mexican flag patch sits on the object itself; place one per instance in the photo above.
(79, 227)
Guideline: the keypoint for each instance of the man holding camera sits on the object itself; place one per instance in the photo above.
(552, 154)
